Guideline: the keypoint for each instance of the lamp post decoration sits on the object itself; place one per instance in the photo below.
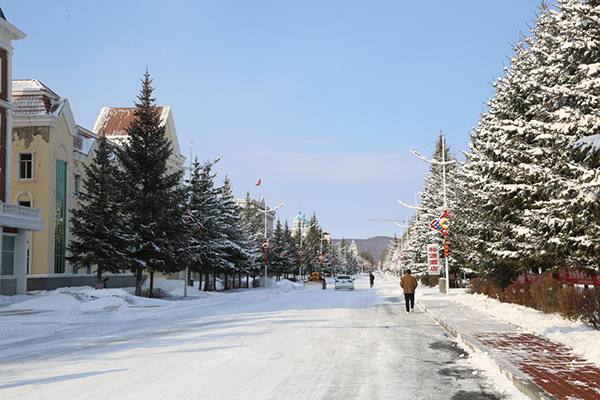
(266, 246)
(301, 253)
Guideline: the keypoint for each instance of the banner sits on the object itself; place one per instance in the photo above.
(577, 277)
(433, 260)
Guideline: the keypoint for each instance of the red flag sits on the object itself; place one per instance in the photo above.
(258, 183)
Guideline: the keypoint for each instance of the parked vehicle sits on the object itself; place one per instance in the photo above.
(344, 282)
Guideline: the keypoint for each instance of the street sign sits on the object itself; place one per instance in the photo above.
(433, 260)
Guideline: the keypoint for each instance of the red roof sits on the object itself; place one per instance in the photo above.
(116, 120)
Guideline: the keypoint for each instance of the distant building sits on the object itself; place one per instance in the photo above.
(260, 204)
(16, 221)
(112, 122)
(301, 224)
(353, 249)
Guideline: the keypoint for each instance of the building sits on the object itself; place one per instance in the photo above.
(50, 152)
(16, 221)
(112, 122)
(301, 223)
(260, 204)
(353, 249)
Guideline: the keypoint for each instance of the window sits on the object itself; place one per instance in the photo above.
(8, 255)
(60, 218)
(76, 184)
(25, 165)
(25, 203)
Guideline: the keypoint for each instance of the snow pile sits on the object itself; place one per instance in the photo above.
(85, 300)
(265, 282)
(580, 337)
(287, 285)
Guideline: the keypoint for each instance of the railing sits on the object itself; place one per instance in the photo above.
(20, 211)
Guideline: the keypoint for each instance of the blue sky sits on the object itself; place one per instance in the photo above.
(322, 100)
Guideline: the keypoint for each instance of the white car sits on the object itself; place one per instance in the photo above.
(344, 282)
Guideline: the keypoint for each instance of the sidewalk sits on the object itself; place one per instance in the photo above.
(538, 367)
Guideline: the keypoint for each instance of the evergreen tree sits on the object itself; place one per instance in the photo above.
(537, 199)
(237, 245)
(288, 251)
(206, 247)
(152, 196)
(312, 243)
(96, 220)
(252, 222)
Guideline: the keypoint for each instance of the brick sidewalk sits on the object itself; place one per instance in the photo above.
(550, 365)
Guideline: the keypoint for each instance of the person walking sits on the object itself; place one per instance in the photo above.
(408, 283)
(371, 278)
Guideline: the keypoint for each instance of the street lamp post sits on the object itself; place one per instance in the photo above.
(443, 163)
(266, 211)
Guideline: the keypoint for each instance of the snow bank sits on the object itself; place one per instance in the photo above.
(287, 285)
(84, 300)
(580, 337)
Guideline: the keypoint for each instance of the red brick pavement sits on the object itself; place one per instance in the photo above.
(550, 365)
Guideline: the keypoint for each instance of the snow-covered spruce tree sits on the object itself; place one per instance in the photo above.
(288, 253)
(151, 196)
(253, 224)
(96, 219)
(566, 44)
(536, 198)
(206, 247)
(236, 244)
(312, 244)
(276, 256)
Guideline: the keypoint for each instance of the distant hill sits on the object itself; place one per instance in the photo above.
(375, 245)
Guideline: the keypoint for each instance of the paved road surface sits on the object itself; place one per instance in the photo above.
(298, 345)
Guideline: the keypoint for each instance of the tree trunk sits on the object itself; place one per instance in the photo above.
(240, 279)
(226, 286)
(138, 281)
(200, 281)
(151, 284)
(247, 280)
(206, 281)
(215, 282)
(99, 276)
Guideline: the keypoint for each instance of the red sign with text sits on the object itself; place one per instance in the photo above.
(433, 259)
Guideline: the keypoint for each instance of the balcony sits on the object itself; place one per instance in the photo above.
(14, 216)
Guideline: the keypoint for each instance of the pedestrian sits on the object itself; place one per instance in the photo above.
(408, 283)
(371, 278)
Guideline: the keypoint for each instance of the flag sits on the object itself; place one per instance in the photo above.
(258, 183)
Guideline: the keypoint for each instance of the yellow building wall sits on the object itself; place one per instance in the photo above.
(57, 143)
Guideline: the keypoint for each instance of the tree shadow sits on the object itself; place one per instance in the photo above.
(58, 378)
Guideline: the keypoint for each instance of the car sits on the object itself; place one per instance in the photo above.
(344, 282)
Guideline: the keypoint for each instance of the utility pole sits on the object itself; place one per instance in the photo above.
(443, 163)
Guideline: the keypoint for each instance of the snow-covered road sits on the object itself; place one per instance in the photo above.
(302, 344)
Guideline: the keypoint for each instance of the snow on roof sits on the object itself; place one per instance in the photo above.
(112, 121)
(32, 98)
(27, 86)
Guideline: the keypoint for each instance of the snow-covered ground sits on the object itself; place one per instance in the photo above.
(275, 342)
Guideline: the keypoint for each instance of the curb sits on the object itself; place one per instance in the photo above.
(525, 386)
